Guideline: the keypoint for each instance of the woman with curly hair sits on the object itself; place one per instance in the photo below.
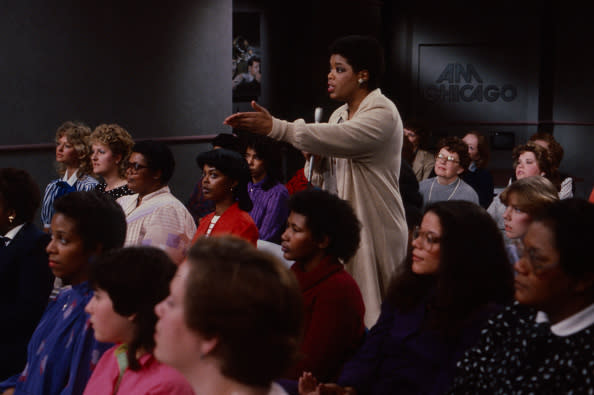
(111, 146)
(73, 164)
(450, 162)
(548, 142)
(322, 233)
(529, 160)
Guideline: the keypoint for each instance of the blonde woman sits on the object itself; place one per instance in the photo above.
(111, 146)
(73, 165)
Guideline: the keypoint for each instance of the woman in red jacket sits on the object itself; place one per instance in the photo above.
(225, 175)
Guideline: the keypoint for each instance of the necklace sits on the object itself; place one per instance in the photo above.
(451, 194)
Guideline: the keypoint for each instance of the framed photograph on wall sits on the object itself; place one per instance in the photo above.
(247, 61)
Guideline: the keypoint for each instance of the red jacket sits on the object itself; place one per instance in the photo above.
(234, 221)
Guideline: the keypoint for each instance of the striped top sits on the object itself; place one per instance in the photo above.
(60, 187)
(161, 221)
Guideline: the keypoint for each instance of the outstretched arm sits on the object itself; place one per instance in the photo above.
(258, 121)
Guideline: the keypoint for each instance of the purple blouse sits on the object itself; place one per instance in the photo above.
(270, 209)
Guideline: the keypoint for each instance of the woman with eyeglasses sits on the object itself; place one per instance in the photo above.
(457, 276)
(543, 343)
(451, 161)
(155, 216)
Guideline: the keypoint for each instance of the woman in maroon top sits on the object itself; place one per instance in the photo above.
(322, 233)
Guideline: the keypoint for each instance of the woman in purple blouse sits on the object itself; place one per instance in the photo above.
(269, 196)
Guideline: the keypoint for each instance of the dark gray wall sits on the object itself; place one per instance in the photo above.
(158, 69)
(537, 49)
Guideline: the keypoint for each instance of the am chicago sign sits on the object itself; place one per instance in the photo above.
(462, 83)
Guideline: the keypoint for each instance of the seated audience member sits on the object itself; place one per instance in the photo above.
(232, 321)
(63, 351)
(548, 142)
(543, 343)
(225, 175)
(268, 195)
(155, 216)
(197, 205)
(422, 161)
(73, 164)
(111, 146)
(127, 285)
(451, 161)
(26, 278)
(529, 160)
(322, 233)
(457, 276)
(524, 200)
(477, 175)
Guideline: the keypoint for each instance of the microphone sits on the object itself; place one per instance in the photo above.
(317, 119)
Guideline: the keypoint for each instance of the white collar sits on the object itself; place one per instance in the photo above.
(13, 232)
(572, 324)
(72, 179)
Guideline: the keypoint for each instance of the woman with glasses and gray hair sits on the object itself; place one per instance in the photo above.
(456, 277)
(543, 343)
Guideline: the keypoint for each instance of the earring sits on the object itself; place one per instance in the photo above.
(361, 81)
(11, 218)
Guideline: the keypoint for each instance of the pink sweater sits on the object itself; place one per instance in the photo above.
(153, 378)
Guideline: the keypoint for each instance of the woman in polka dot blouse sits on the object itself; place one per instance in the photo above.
(543, 343)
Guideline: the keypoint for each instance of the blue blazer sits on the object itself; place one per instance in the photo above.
(25, 284)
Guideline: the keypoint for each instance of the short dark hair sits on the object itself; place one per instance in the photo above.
(250, 301)
(457, 145)
(136, 279)
(227, 140)
(474, 268)
(329, 216)
(19, 192)
(158, 157)
(233, 165)
(270, 152)
(571, 221)
(100, 220)
(543, 158)
(362, 53)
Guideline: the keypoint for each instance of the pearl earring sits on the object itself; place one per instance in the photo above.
(361, 81)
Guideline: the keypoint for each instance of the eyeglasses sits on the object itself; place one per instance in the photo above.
(134, 166)
(538, 263)
(448, 158)
(427, 238)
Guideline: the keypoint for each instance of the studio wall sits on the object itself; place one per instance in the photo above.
(160, 71)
